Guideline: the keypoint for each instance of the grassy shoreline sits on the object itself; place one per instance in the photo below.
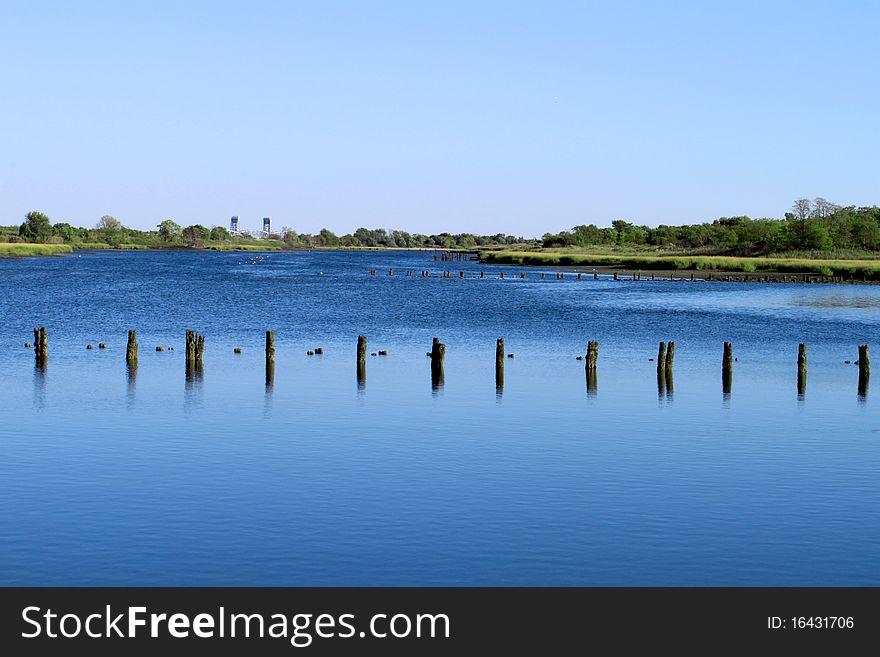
(856, 269)
(26, 250)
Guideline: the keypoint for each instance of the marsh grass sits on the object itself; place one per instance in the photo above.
(863, 269)
(24, 249)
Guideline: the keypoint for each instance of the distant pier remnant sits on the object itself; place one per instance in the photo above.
(41, 346)
(131, 351)
(802, 370)
(499, 366)
(727, 368)
(864, 370)
(438, 356)
(661, 359)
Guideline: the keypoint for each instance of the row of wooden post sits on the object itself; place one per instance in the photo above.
(195, 348)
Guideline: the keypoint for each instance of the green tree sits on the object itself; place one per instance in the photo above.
(327, 238)
(64, 231)
(36, 227)
(110, 228)
(219, 234)
(196, 233)
(169, 230)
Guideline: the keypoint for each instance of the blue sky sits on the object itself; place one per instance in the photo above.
(461, 116)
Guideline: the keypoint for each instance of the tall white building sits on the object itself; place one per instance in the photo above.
(234, 226)
(267, 226)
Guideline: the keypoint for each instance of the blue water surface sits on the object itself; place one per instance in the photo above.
(150, 477)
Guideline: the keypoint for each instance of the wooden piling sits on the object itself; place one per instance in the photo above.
(270, 348)
(41, 345)
(131, 351)
(661, 359)
(438, 356)
(802, 369)
(670, 356)
(195, 346)
(864, 370)
(362, 349)
(592, 355)
(499, 365)
(727, 368)
(590, 367)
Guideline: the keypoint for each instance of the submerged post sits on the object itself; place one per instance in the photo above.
(727, 368)
(661, 359)
(131, 351)
(802, 370)
(864, 370)
(670, 356)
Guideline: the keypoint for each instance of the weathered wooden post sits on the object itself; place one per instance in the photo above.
(438, 356)
(590, 366)
(41, 346)
(362, 362)
(131, 351)
(499, 366)
(864, 370)
(661, 359)
(195, 349)
(802, 370)
(670, 356)
(727, 368)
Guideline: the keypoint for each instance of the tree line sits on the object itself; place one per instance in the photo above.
(37, 227)
(813, 226)
(816, 225)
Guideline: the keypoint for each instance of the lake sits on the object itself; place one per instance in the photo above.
(153, 479)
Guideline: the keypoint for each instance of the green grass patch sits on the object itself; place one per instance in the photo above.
(861, 269)
(24, 249)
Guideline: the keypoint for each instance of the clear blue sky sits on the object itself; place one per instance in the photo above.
(478, 116)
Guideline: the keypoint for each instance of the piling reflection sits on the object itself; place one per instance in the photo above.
(499, 381)
(592, 382)
(361, 377)
(40, 377)
(131, 382)
(864, 379)
(437, 376)
(270, 375)
(801, 385)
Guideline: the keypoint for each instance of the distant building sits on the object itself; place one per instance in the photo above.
(267, 226)
(234, 226)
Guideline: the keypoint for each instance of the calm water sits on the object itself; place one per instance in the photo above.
(111, 479)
